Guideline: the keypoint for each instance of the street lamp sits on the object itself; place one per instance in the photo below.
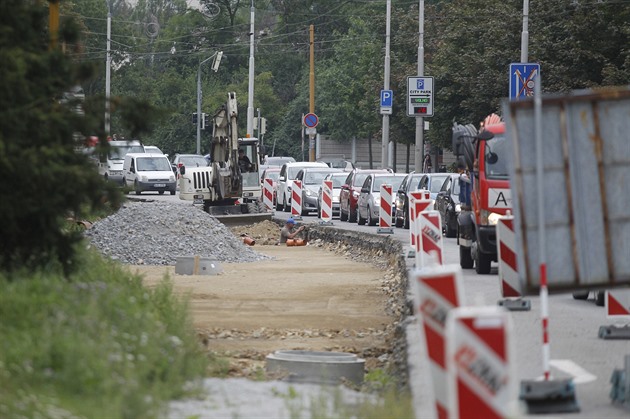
(215, 67)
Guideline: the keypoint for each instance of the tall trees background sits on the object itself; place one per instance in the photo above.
(469, 44)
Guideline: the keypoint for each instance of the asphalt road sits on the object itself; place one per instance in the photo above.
(576, 350)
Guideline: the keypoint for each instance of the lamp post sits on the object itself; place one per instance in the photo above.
(385, 137)
(250, 89)
(215, 68)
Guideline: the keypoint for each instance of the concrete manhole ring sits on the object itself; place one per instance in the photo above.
(317, 366)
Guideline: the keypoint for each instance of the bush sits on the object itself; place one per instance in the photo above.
(97, 345)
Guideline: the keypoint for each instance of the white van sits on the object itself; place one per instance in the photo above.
(112, 167)
(288, 172)
(148, 172)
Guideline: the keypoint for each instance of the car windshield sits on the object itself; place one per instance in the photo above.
(147, 164)
(193, 161)
(414, 182)
(359, 179)
(278, 161)
(272, 175)
(496, 157)
(314, 178)
(436, 183)
(337, 180)
(119, 152)
(293, 172)
(394, 181)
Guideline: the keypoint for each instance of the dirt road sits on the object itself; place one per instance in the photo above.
(305, 298)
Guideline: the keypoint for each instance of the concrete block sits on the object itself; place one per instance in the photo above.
(196, 265)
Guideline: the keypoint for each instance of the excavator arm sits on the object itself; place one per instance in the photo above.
(226, 181)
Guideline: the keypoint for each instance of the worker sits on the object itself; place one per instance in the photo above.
(287, 231)
(244, 163)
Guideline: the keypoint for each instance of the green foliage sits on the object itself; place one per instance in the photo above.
(98, 345)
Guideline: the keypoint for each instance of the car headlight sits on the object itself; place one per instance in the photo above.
(172, 178)
(458, 208)
(489, 218)
(377, 201)
(309, 193)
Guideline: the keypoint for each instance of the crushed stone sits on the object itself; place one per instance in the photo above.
(157, 233)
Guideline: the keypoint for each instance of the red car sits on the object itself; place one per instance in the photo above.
(351, 190)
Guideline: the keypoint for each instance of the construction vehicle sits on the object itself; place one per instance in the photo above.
(485, 155)
(224, 188)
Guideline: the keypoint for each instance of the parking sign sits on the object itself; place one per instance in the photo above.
(387, 99)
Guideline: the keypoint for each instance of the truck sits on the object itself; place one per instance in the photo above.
(485, 154)
(224, 188)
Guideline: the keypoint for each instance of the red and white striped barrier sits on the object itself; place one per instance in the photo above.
(327, 191)
(480, 363)
(508, 273)
(296, 199)
(618, 304)
(385, 210)
(430, 226)
(423, 198)
(437, 290)
(268, 186)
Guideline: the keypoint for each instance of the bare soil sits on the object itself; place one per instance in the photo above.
(306, 298)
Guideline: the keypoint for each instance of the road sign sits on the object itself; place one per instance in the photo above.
(522, 76)
(419, 96)
(387, 98)
(311, 120)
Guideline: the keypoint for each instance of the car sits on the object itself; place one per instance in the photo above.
(345, 165)
(401, 202)
(447, 204)
(188, 160)
(337, 179)
(148, 172)
(350, 191)
(288, 172)
(369, 202)
(432, 182)
(272, 173)
(152, 149)
(312, 178)
(277, 160)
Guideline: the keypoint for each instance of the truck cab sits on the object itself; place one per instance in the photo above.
(490, 198)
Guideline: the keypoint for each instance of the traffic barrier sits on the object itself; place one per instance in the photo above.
(510, 286)
(430, 226)
(327, 188)
(385, 211)
(480, 363)
(437, 290)
(268, 186)
(617, 303)
(423, 196)
(296, 199)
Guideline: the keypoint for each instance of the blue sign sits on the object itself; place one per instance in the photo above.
(311, 120)
(387, 98)
(420, 84)
(522, 79)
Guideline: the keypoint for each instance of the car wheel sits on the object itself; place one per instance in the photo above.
(161, 192)
(343, 216)
(399, 222)
(319, 211)
(465, 259)
(352, 217)
(482, 264)
(285, 205)
(600, 298)
(371, 221)
(406, 220)
(360, 220)
(172, 192)
(278, 206)
(136, 187)
(580, 295)
(450, 232)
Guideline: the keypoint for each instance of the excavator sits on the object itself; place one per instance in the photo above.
(230, 192)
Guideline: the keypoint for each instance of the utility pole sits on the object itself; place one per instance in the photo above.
(419, 147)
(250, 90)
(385, 140)
(108, 66)
(311, 101)
(53, 23)
(525, 34)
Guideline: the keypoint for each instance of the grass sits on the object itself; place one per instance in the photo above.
(97, 344)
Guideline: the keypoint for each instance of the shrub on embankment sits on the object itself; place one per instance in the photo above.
(94, 344)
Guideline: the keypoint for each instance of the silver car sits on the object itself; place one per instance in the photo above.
(312, 178)
(337, 181)
(369, 203)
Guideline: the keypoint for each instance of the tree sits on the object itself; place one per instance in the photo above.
(46, 177)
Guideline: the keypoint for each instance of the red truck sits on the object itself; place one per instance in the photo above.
(485, 155)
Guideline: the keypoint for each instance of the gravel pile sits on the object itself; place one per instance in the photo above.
(156, 233)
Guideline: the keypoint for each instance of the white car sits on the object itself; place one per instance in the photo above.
(288, 172)
(369, 203)
(148, 172)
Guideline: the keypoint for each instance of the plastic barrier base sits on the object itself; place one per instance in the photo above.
(620, 380)
(552, 396)
(326, 223)
(614, 332)
(385, 230)
(515, 304)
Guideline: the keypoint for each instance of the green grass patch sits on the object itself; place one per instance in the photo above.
(96, 344)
